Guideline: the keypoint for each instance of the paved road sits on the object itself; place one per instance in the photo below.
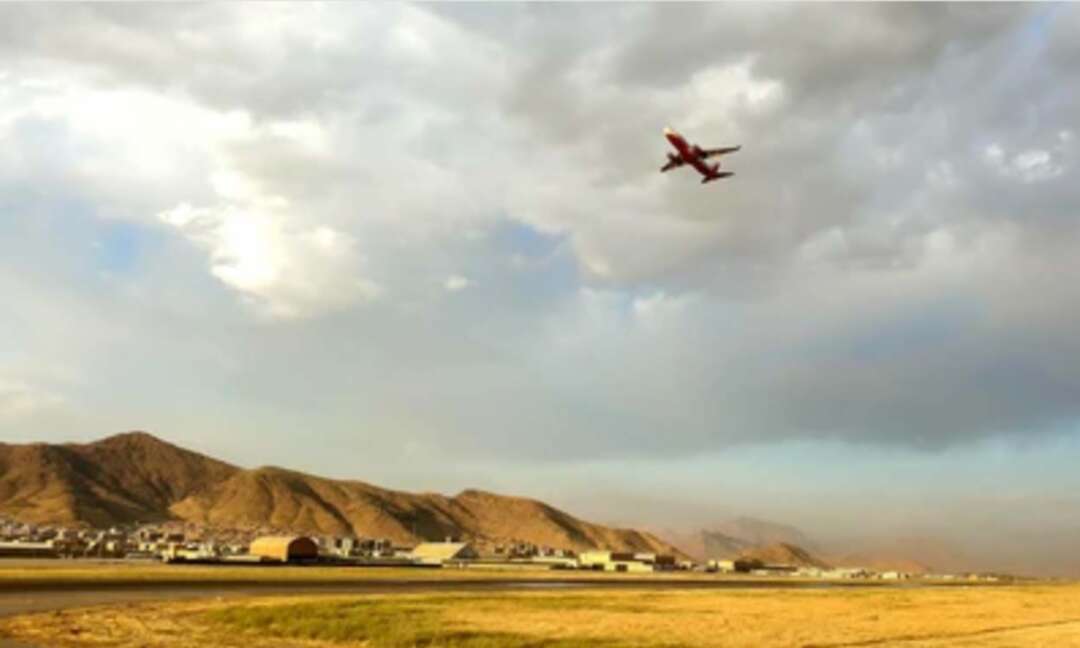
(41, 597)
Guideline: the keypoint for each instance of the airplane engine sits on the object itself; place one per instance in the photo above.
(672, 157)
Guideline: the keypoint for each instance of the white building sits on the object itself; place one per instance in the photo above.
(440, 553)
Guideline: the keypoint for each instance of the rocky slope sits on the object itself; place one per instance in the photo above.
(136, 477)
(782, 553)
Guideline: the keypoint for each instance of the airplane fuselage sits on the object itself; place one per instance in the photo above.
(696, 157)
(689, 154)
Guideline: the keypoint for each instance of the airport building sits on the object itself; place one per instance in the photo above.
(440, 553)
(624, 561)
(28, 549)
(285, 548)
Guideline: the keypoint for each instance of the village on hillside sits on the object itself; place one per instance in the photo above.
(185, 543)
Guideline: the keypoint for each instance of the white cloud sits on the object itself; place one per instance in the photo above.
(730, 92)
(1029, 166)
(19, 399)
(658, 305)
(456, 283)
(288, 272)
(994, 154)
(942, 175)
(135, 148)
(1036, 165)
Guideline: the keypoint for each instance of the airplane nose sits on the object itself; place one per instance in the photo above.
(667, 130)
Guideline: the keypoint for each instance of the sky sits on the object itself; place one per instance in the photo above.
(429, 246)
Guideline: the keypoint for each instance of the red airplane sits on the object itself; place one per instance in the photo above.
(695, 156)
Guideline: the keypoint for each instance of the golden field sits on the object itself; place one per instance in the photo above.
(1028, 615)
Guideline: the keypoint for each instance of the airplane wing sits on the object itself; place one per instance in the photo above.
(716, 152)
(673, 162)
(717, 176)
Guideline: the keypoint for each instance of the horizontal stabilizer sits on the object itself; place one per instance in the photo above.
(710, 153)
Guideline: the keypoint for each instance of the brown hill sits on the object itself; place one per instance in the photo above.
(124, 478)
(699, 545)
(292, 500)
(782, 553)
(719, 546)
(137, 477)
(729, 539)
(749, 537)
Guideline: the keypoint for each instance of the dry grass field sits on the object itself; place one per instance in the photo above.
(997, 617)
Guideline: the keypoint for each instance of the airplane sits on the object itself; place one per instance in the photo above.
(695, 156)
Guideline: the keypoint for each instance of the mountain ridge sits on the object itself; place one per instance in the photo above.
(772, 542)
(783, 553)
(137, 477)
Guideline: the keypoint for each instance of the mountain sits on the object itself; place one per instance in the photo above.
(752, 537)
(910, 553)
(292, 500)
(747, 537)
(760, 543)
(124, 478)
(758, 533)
(729, 539)
(720, 546)
(782, 553)
(137, 477)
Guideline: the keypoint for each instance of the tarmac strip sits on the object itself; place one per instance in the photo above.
(58, 595)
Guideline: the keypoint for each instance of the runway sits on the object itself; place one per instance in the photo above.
(48, 596)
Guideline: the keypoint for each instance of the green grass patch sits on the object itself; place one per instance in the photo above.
(576, 602)
(383, 623)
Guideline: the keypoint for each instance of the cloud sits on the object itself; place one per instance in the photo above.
(884, 267)
(20, 400)
(456, 283)
(289, 273)
(1033, 165)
